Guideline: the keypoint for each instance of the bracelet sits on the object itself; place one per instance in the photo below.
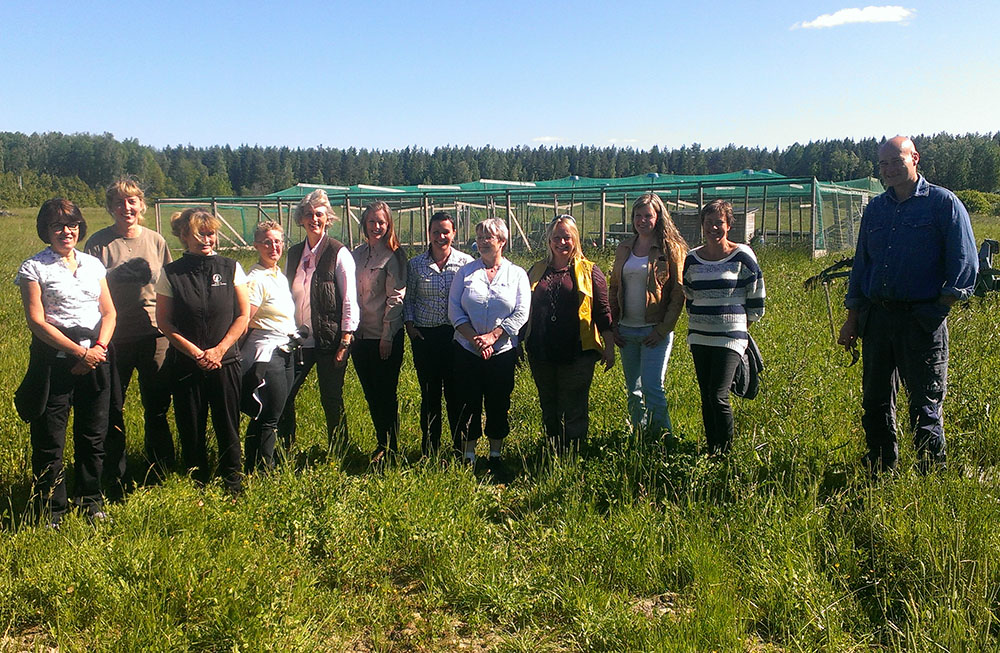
(101, 345)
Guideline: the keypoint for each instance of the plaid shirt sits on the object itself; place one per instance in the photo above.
(426, 300)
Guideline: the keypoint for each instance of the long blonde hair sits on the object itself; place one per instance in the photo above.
(570, 223)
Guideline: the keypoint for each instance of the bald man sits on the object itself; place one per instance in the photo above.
(915, 258)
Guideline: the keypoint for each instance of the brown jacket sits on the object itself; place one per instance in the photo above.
(664, 292)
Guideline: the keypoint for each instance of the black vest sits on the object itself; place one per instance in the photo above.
(204, 299)
(325, 296)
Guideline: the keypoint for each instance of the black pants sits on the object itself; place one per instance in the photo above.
(195, 392)
(715, 367)
(435, 364)
(380, 380)
(331, 395)
(145, 356)
(88, 396)
(909, 346)
(484, 384)
(564, 396)
(278, 375)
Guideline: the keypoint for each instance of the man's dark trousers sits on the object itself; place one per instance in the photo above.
(907, 342)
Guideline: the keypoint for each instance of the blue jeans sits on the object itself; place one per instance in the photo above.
(644, 368)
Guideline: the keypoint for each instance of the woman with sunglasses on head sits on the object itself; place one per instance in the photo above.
(378, 353)
(425, 313)
(71, 318)
(646, 300)
(320, 272)
(568, 332)
(268, 360)
(202, 309)
(488, 305)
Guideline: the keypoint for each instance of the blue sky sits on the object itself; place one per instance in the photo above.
(392, 74)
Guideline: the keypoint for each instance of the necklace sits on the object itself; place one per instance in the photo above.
(555, 283)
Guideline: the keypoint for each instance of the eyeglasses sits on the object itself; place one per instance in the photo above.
(270, 243)
(59, 226)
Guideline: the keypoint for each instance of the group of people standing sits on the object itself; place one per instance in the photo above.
(219, 340)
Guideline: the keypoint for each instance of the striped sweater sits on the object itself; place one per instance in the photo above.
(722, 297)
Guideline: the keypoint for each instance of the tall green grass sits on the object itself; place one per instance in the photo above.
(632, 546)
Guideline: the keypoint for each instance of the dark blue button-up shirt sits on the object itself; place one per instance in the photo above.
(915, 250)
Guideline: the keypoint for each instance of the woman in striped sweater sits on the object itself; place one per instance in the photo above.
(724, 289)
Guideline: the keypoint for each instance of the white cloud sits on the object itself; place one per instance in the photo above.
(887, 14)
(546, 139)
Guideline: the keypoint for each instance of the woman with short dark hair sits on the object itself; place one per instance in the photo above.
(724, 287)
(425, 311)
(71, 317)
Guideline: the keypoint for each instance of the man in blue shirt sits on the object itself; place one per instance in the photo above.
(915, 258)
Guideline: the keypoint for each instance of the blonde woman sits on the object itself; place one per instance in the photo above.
(568, 333)
(268, 359)
(202, 309)
(646, 299)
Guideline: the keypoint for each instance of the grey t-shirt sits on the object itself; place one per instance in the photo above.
(134, 265)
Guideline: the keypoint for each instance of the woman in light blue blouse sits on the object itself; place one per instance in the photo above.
(488, 304)
(425, 313)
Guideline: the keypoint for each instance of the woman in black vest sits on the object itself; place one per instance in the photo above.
(320, 271)
(202, 309)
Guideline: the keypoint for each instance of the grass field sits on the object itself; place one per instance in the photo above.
(636, 546)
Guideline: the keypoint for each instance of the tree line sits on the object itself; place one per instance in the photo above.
(36, 167)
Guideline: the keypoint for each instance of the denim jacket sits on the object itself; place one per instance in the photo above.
(913, 251)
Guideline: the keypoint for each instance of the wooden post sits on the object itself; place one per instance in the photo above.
(812, 217)
(701, 197)
(411, 229)
(777, 221)
(801, 233)
(836, 215)
(347, 222)
(604, 218)
(424, 237)
(156, 209)
(746, 202)
(510, 209)
(763, 216)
